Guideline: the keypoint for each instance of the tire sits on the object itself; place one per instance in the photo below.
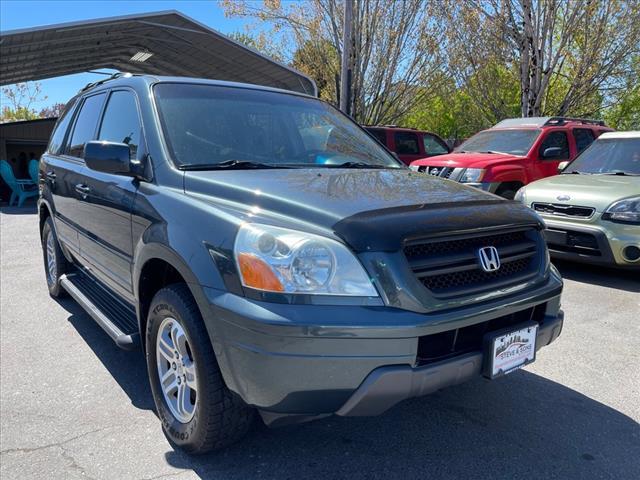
(506, 192)
(211, 417)
(55, 263)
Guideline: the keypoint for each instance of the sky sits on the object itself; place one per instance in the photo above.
(16, 14)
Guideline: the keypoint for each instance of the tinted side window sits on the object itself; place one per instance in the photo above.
(85, 126)
(121, 122)
(432, 146)
(55, 143)
(583, 137)
(407, 143)
(556, 139)
(380, 135)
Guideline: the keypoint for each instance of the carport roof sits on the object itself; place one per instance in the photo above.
(165, 43)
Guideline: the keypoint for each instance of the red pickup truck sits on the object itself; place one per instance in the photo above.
(514, 152)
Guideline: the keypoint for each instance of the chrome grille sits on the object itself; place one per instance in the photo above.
(444, 172)
(450, 267)
(563, 210)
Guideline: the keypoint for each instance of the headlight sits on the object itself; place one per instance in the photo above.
(521, 196)
(472, 175)
(282, 260)
(624, 211)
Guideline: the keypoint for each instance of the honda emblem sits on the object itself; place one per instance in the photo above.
(489, 259)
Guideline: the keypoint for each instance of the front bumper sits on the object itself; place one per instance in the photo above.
(603, 246)
(386, 386)
(303, 361)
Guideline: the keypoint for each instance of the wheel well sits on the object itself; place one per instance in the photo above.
(155, 274)
(43, 214)
(505, 186)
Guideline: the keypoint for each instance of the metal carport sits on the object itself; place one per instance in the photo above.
(160, 43)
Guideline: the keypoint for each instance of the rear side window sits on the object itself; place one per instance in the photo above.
(57, 138)
(432, 146)
(85, 126)
(556, 139)
(584, 137)
(121, 122)
(407, 143)
(380, 135)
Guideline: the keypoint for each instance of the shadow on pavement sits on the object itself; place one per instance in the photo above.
(627, 280)
(521, 426)
(127, 368)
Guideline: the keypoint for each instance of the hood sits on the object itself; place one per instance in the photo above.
(598, 191)
(399, 199)
(467, 160)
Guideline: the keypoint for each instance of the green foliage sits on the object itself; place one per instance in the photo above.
(13, 115)
(455, 112)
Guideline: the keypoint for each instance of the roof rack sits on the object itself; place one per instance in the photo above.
(563, 120)
(100, 82)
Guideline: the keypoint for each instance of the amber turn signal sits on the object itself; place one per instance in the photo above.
(257, 274)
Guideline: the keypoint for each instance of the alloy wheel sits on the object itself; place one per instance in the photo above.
(176, 370)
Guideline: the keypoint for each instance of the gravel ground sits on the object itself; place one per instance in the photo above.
(74, 406)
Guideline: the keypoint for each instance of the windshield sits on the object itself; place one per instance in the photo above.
(209, 125)
(609, 156)
(515, 142)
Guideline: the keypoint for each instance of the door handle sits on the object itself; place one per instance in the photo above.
(83, 190)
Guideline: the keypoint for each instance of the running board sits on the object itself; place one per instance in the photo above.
(78, 286)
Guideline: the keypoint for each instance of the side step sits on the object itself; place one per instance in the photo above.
(116, 317)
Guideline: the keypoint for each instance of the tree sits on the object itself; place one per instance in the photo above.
(581, 44)
(52, 111)
(396, 57)
(623, 113)
(20, 98)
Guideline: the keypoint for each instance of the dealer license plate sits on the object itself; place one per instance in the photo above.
(507, 352)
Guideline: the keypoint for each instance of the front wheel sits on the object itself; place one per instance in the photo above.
(197, 410)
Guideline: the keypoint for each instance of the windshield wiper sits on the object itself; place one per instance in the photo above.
(495, 151)
(621, 173)
(230, 165)
(355, 165)
(575, 172)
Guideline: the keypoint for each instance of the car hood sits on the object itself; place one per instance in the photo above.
(466, 160)
(356, 205)
(598, 191)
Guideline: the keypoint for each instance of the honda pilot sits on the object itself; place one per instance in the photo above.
(270, 258)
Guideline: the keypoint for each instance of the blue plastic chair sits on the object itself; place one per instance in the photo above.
(33, 170)
(20, 189)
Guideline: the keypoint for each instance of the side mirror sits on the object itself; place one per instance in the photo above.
(551, 152)
(108, 157)
(562, 166)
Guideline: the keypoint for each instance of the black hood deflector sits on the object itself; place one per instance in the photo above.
(407, 223)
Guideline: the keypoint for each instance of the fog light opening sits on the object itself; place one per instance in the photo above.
(631, 253)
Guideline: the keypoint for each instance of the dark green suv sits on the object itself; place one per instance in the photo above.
(268, 255)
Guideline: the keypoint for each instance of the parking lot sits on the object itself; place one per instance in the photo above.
(75, 406)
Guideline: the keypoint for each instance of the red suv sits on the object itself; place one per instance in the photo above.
(408, 143)
(515, 152)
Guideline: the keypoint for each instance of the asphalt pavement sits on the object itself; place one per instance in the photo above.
(74, 406)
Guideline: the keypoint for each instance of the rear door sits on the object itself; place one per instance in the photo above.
(106, 239)
(407, 146)
(583, 137)
(63, 172)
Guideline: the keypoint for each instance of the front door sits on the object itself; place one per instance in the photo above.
(106, 243)
(546, 167)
